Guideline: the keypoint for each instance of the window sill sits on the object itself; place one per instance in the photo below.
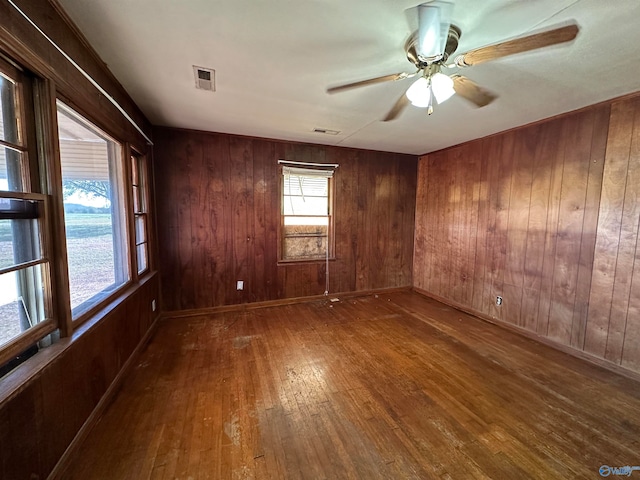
(98, 303)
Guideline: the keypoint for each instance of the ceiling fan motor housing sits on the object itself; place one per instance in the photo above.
(452, 44)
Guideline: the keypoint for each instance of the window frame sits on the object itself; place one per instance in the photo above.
(104, 297)
(32, 172)
(142, 167)
(330, 255)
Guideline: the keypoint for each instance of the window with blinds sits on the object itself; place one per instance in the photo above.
(307, 220)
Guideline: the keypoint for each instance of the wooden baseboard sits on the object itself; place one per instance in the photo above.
(275, 303)
(60, 468)
(600, 362)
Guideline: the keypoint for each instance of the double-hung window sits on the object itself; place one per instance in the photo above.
(94, 211)
(307, 214)
(140, 211)
(25, 285)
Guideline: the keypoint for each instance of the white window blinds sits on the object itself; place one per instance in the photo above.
(307, 172)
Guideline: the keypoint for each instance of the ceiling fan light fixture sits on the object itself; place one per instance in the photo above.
(419, 94)
(434, 19)
(442, 87)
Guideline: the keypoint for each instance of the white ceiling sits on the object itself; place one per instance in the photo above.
(274, 60)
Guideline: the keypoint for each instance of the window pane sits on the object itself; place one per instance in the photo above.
(18, 242)
(94, 218)
(137, 200)
(91, 255)
(8, 117)
(309, 186)
(11, 170)
(134, 171)
(306, 221)
(21, 302)
(141, 252)
(141, 230)
(306, 205)
(305, 241)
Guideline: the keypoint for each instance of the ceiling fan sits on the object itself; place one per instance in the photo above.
(429, 48)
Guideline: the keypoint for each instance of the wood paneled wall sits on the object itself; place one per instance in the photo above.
(613, 328)
(219, 212)
(39, 422)
(545, 216)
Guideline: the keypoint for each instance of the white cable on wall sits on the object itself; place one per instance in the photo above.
(84, 74)
(326, 269)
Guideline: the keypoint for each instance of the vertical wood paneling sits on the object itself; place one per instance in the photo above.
(363, 252)
(631, 347)
(546, 216)
(590, 223)
(215, 195)
(342, 273)
(519, 209)
(479, 251)
(183, 207)
(627, 247)
(553, 156)
(257, 280)
(241, 173)
(501, 153)
(471, 231)
(453, 200)
(536, 226)
(196, 161)
(221, 192)
(441, 263)
(609, 226)
(576, 135)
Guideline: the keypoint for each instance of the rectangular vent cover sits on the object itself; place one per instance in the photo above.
(326, 131)
(205, 78)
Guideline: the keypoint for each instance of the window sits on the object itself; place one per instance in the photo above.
(25, 286)
(140, 211)
(307, 221)
(92, 181)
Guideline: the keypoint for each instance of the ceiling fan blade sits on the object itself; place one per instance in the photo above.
(472, 91)
(371, 81)
(518, 45)
(397, 108)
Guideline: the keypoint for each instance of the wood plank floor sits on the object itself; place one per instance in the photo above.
(388, 386)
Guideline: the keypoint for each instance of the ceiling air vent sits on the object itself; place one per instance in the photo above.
(326, 131)
(205, 78)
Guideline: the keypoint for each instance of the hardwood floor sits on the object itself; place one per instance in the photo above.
(388, 386)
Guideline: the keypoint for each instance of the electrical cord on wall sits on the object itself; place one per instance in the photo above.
(326, 271)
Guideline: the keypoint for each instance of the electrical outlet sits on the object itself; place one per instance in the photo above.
(240, 285)
(498, 300)
(153, 305)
